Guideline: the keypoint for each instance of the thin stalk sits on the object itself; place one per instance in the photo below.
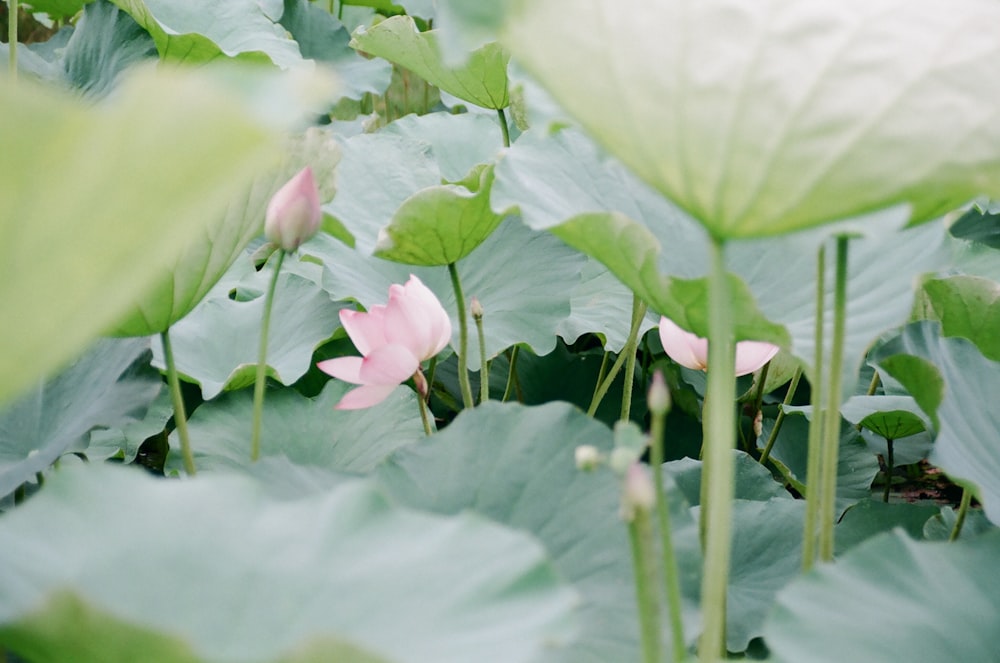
(671, 575)
(638, 312)
(831, 427)
(718, 470)
(484, 368)
(816, 422)
(641, 537)
(873, 385)
(963, 509)
(789, 395)
(340, 10)
(889, 462)
(601, 373)
(463, 337)
(431, 370)
(180, 414)
(260, 381)
(511, 373)
(504, 129)
(12, 10)
(758, 399)
(424, 416)
(631, 349)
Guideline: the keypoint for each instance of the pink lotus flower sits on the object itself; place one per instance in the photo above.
(691, 351)
(393, 340)
(293, 215)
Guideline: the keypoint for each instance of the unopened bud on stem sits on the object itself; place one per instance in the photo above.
(476, 309)
(639, 494)
(658, 397)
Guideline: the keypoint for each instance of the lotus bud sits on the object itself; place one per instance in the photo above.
(658, 397)
(639, 494)
(420, 382)
(476, 309)
(588, 458)
(294, 214)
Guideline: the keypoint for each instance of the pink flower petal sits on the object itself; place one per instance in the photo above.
(415, 319)
(293, 213)
(366, 396)
(347, 369)
(390, 364)
(751, 355)
(685, 348)
(367, 330)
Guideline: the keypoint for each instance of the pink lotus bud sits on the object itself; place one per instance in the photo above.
(293, 215)
(476, 309)
(639, 493)
(691, 351)
(658, 398)
(393, 340)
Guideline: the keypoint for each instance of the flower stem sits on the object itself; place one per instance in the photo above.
(815, 443)
(963, 509)
(638, 313)
(423, 415)
(631, 350)
(718, 469)
(463, 337)
(484, 368)
(180, 415)
(641, 537)
(260, 381)
(511, 372)
(889, 462)
(504, 129)
(670, 571)
(831, 425)
(12, 11)
(781, 416)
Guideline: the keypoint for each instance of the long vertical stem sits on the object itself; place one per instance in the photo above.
(511, 373)
(180, 414)
(484, 367)
(831, 426)
(504, 129)
(631, 349)
(260, 381)
(671, 575)
(638, 313)
(424, 418)
(889, 462)
(463, 337)
(773, 436)
(719, 466)
(12, 11)
(816, 421)
(646, 585)
(963, 509)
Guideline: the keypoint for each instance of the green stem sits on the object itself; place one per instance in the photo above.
(424, 416)
(963, 509)
(670, 570)
(504, 129)
(484, 369)
(641, 538)
(815, 444)
(873, 385)
(638, 313)
(260, 381)
(718, 470)
(781, 416)
(12, 10)
(631, 350)
(601, 373)
(180, 414)
(889, 462)
(340, 11)
(511, 372)
(831, 425)
(463, 337)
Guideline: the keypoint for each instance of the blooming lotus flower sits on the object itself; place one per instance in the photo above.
(393, 340)
(293, 215)
(691, 351)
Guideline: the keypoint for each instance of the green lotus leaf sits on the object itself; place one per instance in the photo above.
(761, 118)
(481, 80)
(892, 417)
(967, 306)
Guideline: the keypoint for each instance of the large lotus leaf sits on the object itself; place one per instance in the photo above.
(182, 146)
(868, 518)
(124, 440)
(243, 575)
(892, 417)
(523, 279)
(966, 444)
(442, 224)
(978, 225)
(57, 8)
(481, 80)
(751, 481)
(193, 31)
(322, 37)
(893, 599)
(967, 306)
(217, 345)
(514, 464)
(308, 431)
(184, 284)
(102, 389)
(458, 142)
(763, 118)
(856, 465)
